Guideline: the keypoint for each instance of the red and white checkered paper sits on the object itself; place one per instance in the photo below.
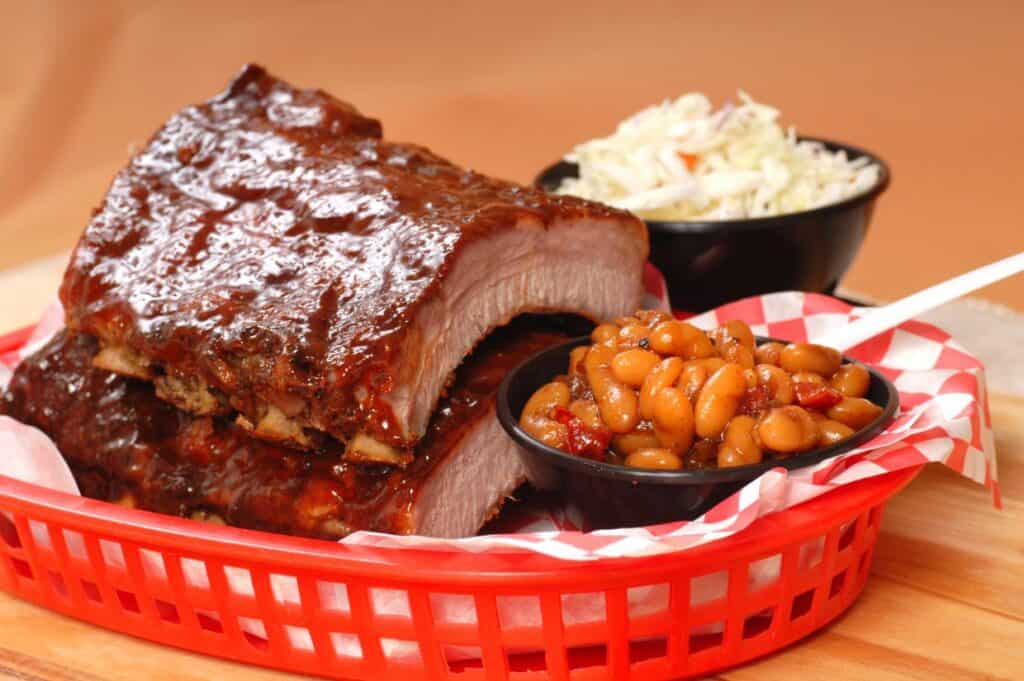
(944, 418)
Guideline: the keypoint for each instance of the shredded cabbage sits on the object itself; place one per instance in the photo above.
(682, 160)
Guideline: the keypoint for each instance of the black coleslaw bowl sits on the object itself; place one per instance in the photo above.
(611, 495)
(709, 262)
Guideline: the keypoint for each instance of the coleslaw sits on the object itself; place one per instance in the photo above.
(682, 160)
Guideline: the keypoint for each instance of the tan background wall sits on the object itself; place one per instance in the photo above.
(935, 88)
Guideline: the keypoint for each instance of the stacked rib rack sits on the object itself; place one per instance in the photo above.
(265, 312)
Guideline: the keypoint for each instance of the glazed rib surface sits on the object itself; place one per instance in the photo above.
(269, 256)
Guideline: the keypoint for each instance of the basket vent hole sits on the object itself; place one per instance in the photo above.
(346, 645)
(473, 659)
(407, 651)
(333, 597)
(195, 573)
(801, 605)
(9, 533)
(709, 636)
(865, 563)
(764, 573)
(811, 553)
(518, 611)
(580, 657)
(758, 623)
(57, 580)
(40, 534)
(453, 608)
(75, 543)
(92, 592)
(260, 644)
(209, 623)
(580, 607)
(647, 650)
(299, 637)
(22, 568)
(285, 589)
(239, 581)
(128, 601)
(526, 662)
(168, 612)
(153, 564)
(837, 584)
(253, 629)
(847, 534)
(113, 555)
(641, 601)
(708, 588)
(390, 602)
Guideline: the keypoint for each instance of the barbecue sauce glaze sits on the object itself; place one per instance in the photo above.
(272, 245)
(124, 444)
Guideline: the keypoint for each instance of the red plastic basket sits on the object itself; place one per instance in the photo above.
(134, 572)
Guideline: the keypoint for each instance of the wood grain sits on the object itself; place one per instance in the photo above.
(16, 665)
(39, 646)
(508, 87)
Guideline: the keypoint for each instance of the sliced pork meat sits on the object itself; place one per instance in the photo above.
(268, 255)
(126, 445)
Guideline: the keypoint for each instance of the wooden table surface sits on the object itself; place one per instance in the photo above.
(508, 87)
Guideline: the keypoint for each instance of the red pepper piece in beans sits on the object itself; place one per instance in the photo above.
(817, 397)
(591, 443)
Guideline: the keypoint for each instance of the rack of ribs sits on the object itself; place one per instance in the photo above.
(268, 257)
(124, 444)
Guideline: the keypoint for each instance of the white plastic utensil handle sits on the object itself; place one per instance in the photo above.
(893, 314)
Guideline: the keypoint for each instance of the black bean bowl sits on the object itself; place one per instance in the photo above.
(707, 263)
(611, 495)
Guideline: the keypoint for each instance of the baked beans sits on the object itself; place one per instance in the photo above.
(654, 392)
(852, 380)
